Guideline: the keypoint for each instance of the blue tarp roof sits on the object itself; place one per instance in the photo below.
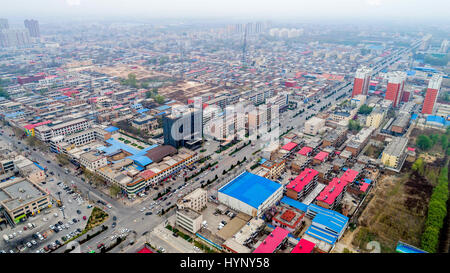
(250, 189)
(414, 116)
(262, 161)
(159, 114)
(368, 181)
(163, 107)
(410, 72)
(111, 129)
(294, 203)
(142, 110)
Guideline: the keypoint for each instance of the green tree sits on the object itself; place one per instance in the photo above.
(444, 142)
(365, 109)
(430, 239)
(424, 142)
(114, 190)
(159, 99)
(3, 93)
(354, 125)
(418, 166)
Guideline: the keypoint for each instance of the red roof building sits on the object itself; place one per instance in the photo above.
(288, 218)
(273, 241)
(146, 174)
(304, 246)
(145, 249)
(288, 147)
(333, 193)
(320, 157)
(302, 184)
(305, 151)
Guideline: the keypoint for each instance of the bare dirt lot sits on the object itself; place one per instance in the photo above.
(123, 70)
(396, 211)
(184, 90)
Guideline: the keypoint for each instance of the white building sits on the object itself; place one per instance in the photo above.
(313, 125)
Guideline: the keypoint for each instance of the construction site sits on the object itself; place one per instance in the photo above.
(184, 90)
(123, 70)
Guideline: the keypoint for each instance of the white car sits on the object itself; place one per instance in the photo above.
(29, 245)
(33, 242)
(109, 206)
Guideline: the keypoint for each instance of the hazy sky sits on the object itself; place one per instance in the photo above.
(251, 9)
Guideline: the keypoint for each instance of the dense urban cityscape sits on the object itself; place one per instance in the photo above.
(250, 136)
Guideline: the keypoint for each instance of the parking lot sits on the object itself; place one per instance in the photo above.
(50, 228)
(213, 219)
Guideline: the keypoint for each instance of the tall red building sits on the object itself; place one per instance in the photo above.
(434, 85)
(362, 81)
(396, 84)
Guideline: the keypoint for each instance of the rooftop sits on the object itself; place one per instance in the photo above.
(272, 241)
(303, 179)
(250, 188)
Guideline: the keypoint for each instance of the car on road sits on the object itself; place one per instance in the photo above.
(149, 213)
(100, 245)
(78, 211)
(113, 225)
(84, 217)
(29, 245)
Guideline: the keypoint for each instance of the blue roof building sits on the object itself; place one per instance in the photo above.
(111, 129)
(437, 121)
(250, 193)
(294, 203)
(327, 225)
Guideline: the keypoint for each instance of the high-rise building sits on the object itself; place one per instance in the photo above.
(444, 46)
(14, 37)
(183, 127)
(4, 23)
(33, 27)
(434, 86)
(396, 84)
(362, 81)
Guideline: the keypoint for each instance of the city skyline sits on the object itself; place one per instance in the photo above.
(362, 10)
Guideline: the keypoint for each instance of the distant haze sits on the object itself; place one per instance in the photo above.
(411, 10)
